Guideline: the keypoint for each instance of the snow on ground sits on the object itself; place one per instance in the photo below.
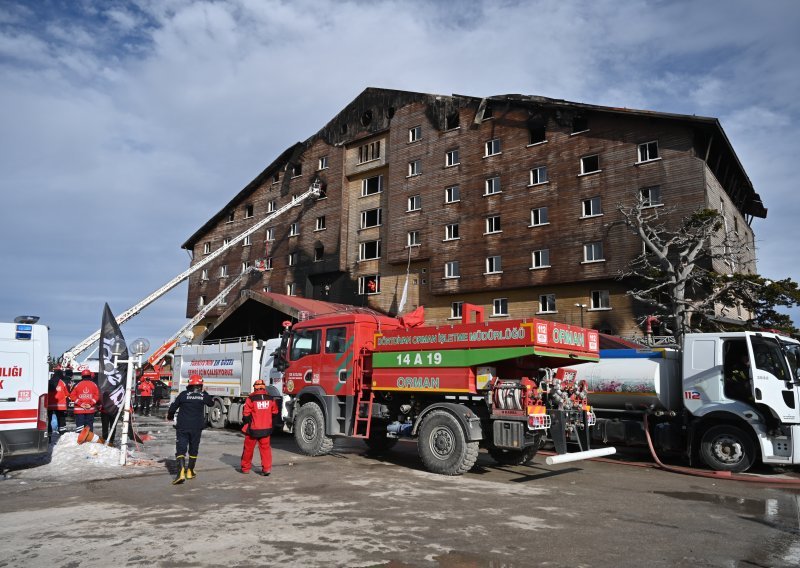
(68, 461)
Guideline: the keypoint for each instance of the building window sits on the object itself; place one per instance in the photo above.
(369, 284)
(223, 271)
(451, 232)
(540, 258)
(369, 250)
(493, 224)
(293, 258)
(206, 248)
(547, 303)
(415, 203)
(371, 186)
(500, 307)
(226, 241)
(451, 158)
(271, 206)
(271, 234)
(590, 164)
(320, 223)
(539, 216)
(319, 253)
(492, 147)
(245, 266)
(453, 121)
(224, 300)
(268, 263)
(593, 252)
(412, 238)
(414, 168)
(371, 218)
(492, 185)
(488, 113)
(276, 177)
(369, 152)
(414, 134)
(452, 194)
(247, 241)
(451, 269)
(648, 151)
(650, 196)
(297, 170)
(539, 175)
(580, 124)
(600, 300)
(456, 310)
(291, 289)
(294, 229)
(537, 135)
(323, 163)
(231, 216)
(204, 274)
(267, 288)
(591, 207)
(494, 265)
(201, 301)
(248, 211)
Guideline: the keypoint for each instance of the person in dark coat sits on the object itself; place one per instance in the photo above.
(257, 416)
(190, 406)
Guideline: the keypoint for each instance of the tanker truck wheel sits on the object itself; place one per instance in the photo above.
(727, 448)
(216, 415)
(504, 456)
(309, 431)
(443, 445)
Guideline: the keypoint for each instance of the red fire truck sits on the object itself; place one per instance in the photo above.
(500, 385)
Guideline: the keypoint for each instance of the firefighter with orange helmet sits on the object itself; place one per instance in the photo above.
(257, 417)
(190, 406)
(85, 395)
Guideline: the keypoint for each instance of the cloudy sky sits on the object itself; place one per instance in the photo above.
(149, 115)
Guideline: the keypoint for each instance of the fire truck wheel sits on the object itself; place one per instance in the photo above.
(377, 441)
(216, 416)
(727, 448)
(504, 456)
(443, 446)
(309, 431)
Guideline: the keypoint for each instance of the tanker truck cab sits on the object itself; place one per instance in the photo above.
(24, 349)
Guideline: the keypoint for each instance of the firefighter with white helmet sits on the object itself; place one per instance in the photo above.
(190, 406)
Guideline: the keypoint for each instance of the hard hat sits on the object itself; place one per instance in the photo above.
(195, 380)
(86, 373)
(259, 385)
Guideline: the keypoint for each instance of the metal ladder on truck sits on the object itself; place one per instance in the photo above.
(71, 354)
(365, 396)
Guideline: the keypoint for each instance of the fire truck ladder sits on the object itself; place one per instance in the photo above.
(364, 399)
(313, 190)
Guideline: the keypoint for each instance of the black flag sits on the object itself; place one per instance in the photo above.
(112, 379)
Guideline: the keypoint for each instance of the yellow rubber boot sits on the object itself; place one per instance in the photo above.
(190, 474)
(180, 477)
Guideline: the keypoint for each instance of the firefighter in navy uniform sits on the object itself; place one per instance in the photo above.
(257, 417)
(190, 405)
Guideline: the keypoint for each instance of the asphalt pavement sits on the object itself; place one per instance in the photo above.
(354, 509)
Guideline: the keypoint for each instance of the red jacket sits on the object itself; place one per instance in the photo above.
(146, 388)
(57, 399)
(85, 395)
(258, 411)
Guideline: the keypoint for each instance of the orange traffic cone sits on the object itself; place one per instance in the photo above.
(87, 435)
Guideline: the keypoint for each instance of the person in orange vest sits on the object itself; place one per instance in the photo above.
(146, 395)
(57, 395)
(85, 395)
(257, 417)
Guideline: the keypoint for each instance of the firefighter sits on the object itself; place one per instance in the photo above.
(146, 394)
(190, 405)
(257, 417)
(85, 395)
(57, 395)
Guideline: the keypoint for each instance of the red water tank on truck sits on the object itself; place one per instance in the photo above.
(499, 385)
(730, 399)
(24, 348)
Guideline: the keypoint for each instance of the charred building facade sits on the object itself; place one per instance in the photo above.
(509, 202)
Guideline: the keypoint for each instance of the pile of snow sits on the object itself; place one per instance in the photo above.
(82, 462)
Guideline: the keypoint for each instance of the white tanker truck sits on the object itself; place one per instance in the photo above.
(694, 404)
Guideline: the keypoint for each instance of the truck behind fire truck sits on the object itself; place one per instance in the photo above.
(500, 385)
(691, 401)
(24, 347)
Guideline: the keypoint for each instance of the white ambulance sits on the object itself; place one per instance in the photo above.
(24, 347)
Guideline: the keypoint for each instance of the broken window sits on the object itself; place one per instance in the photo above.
(371, 186)
(590, 164)
(580, 124)
(371, 218)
